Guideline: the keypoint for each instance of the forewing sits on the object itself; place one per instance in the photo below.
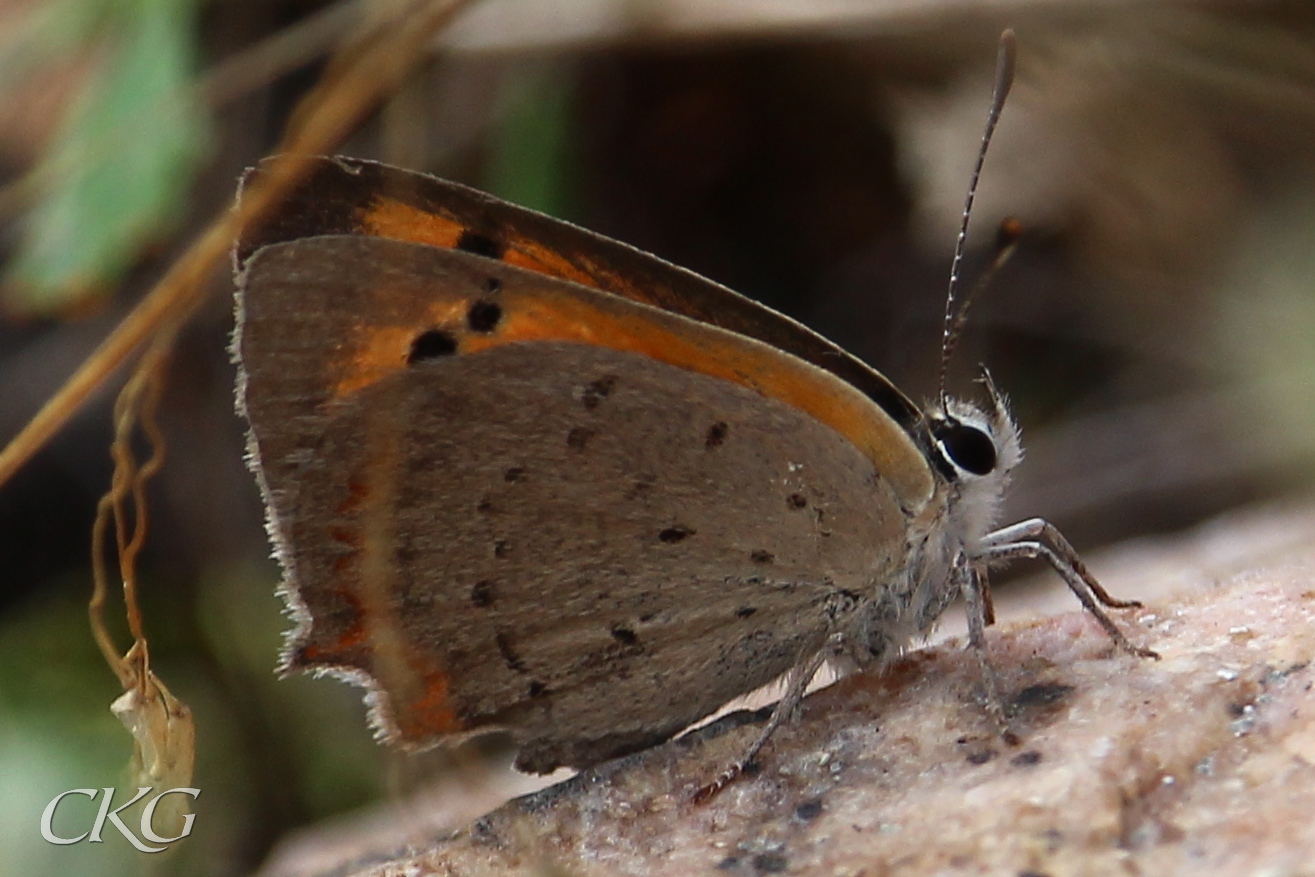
(353, 196)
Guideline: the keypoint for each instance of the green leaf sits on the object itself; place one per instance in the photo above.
(121, 163)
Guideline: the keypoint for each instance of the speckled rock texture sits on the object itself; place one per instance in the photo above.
(1202, 762)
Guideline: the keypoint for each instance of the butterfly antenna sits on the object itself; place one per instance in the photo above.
(1006, 241)
(1004, 79)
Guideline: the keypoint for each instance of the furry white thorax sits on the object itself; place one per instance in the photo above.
(948, 532)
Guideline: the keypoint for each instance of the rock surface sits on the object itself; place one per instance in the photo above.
(1200, 762)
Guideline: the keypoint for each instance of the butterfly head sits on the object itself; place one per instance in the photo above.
(975, 448)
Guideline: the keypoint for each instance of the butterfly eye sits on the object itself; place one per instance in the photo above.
(967, 447)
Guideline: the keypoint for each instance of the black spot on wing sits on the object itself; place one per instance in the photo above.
(675, 534)
(472, 241)
(578, 437)
(484, 316)
(508, 652)
(716, 435)
(434, 344)
(593, 393)
(481, 594)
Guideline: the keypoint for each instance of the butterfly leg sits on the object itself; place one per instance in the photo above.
(785, 709)
(1037, 538)
(976, 590)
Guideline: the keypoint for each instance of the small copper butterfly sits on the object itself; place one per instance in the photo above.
(521, 477)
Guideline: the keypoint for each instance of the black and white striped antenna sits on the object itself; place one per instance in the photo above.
(1009, 229)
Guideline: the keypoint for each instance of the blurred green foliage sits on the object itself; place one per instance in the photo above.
(531, 153)
(121, 158)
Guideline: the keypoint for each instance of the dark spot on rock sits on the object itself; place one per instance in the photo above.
(578, 437)
(493, 284)
(472, 241)
(770, 863)
(796, 501)
(675, 534)
(745, 611)
(508, 653)
(981, 756)
(753, 768)
(1026, 759)
(501, 548)
(434, 344)
(481, 594)
(761, 556)
(624, 635)
(729, 863)
(1033, 874)
(483, 832)
(484, 506)
(809, 810)
(596, 391)
(716, 436)
(484, 316)
(1045, 694)
(515, 474)
(537, 689)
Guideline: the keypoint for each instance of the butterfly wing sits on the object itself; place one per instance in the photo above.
(494, 523)
(353, 196)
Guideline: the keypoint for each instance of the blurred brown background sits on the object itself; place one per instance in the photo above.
(1156, 329)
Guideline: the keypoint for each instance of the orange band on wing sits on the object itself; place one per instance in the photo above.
(393, 219)
(563, 313)
(432, 713)
(699, 349)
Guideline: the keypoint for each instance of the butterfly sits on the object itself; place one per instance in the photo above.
(524, 478)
